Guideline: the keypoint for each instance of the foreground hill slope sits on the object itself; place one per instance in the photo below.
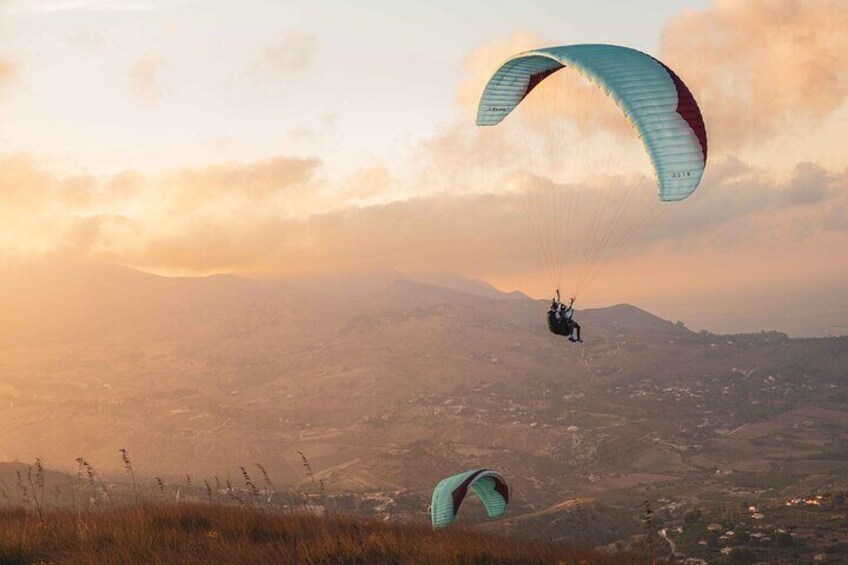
(229, 534)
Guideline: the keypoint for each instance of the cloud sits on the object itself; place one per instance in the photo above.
(285, 184)
(125, 214)
(291, 53)
(737, 202)
(24, 186)
(279, 216)
(761, 67)
(123, 186)
(144, 76)
(493, 234)
(202, 245)
(465, 158)
(369, 182)
(104, 236)
(809, 184)
(836, 218)
(77, 191)
(43, 211)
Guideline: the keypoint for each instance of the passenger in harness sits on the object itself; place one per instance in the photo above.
(561, 320)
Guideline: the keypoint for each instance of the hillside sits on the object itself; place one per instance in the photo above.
(195, 533)
(402, 381)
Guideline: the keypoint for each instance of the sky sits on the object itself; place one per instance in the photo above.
(273, 138)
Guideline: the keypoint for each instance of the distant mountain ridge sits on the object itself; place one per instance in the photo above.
(47, 301)
(358, 285)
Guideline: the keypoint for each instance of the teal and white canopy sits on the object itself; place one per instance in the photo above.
(448, 495)
(658, 104)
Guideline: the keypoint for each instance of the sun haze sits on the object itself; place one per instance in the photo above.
(278, 139)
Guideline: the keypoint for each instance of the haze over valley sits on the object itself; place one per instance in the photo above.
(387, 383)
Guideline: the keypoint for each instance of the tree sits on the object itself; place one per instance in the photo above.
(693, 516)
(743, 555)
(784, 539)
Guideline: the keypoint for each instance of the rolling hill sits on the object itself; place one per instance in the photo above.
(387, 383)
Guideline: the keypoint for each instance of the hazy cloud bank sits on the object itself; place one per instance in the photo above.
(279, 216)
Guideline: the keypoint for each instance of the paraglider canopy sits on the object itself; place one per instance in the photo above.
(581, 201)
(448, 495)
(658, 104)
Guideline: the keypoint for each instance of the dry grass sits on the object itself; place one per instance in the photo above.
(211, 533)
(160, 524)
